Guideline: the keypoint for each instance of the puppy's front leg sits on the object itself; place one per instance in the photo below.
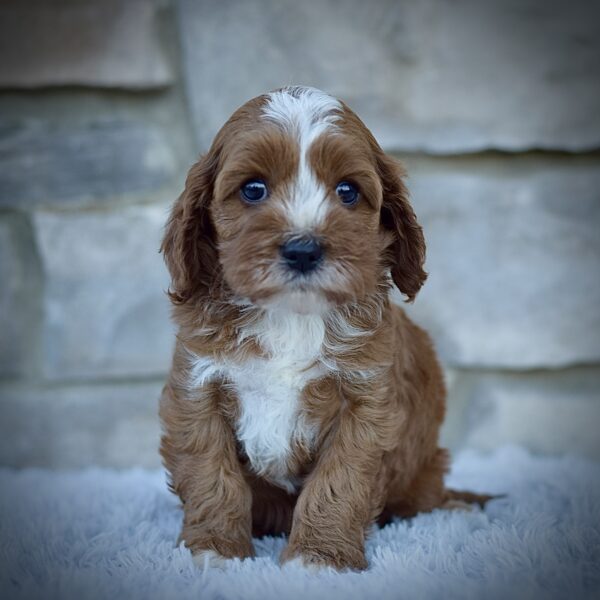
(341, 497)
(199, 451)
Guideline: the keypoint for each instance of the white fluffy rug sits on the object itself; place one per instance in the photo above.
(107, 534)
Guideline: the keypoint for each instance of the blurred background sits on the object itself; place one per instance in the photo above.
(493, 106)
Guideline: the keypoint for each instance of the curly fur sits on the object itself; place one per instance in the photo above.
(309, 406)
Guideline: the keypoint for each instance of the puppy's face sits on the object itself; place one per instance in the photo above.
(297, 206)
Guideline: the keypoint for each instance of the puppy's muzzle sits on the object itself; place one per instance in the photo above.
(302, 255)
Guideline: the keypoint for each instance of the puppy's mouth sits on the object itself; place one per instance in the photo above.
(313, 293)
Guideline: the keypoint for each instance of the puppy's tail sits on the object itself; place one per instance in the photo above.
(462, 498)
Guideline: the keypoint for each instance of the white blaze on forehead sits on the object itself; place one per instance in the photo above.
(304, 110)
(305, 113)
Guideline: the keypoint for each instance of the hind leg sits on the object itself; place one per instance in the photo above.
(423, 493)
(427, 492)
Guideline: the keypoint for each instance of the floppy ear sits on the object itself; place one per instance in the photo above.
(406, 254)
(189, 246)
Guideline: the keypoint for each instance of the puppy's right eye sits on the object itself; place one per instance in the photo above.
(254, 191)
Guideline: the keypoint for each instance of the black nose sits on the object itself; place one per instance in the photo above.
(302, 255)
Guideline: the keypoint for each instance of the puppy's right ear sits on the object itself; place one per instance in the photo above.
(189, 245)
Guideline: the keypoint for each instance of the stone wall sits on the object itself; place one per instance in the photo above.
(494, 108)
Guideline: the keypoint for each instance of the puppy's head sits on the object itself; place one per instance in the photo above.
(294, 204)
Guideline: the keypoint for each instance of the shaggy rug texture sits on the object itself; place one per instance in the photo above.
(106, 534)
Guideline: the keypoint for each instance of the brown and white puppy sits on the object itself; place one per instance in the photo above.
(301, 400)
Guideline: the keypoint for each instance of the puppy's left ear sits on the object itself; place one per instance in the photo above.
(406, 253)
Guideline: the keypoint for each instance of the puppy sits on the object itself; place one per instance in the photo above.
(300, 400)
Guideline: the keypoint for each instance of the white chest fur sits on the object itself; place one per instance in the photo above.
(271, 417)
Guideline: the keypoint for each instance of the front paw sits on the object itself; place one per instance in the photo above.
(315, 558)
(209, 559)
(214, 551)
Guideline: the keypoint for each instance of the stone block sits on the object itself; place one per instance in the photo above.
(19, 295)
(549, 412)
(42, 165)
(113, 43)
(432, 76)
(114, 425)
(513, 254)
(106, 313)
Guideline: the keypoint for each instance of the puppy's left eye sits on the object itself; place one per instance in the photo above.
(254, 191)
(347, 193)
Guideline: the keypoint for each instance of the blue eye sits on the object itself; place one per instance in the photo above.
(347, 193)
(254, 191)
